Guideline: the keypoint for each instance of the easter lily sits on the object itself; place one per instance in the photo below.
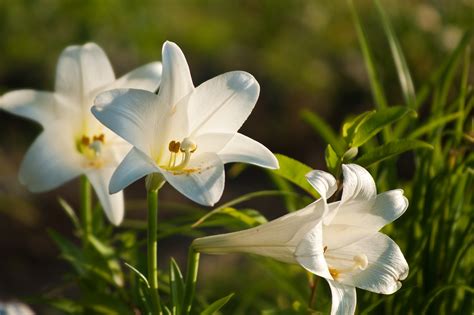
(185, 134)
(73, 142)
(339, 241)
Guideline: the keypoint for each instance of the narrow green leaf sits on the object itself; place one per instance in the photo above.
(404, 75)
(441, 71)
(70, 213)
(177, 287)
(375, 82)
(324, 130)
(246, 197)
(389, 150)
(248, 216)
(295, 172)
(139, 274)
(217, 305)
(69, 251)
(377, 121)
(433, 124)
(108, 255)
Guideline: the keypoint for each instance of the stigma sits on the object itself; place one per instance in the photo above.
(180, 150)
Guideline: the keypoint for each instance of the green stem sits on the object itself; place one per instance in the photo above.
(152, 197)
(191, 279)
(86, 209)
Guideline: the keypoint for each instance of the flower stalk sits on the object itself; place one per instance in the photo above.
(86, 209)
(152, 198)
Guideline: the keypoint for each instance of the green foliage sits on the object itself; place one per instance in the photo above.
(217, 305)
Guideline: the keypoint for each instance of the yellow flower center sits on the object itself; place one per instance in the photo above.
(91, 148)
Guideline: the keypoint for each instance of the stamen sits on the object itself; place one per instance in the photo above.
(187, 147)
(85, 140)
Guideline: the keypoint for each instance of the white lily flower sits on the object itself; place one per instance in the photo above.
(73, 142)
(339, 241)
(184, 133)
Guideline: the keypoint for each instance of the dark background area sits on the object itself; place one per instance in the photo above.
(304, 54)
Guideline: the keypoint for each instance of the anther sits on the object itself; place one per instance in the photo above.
(174, 146)
(85, 140)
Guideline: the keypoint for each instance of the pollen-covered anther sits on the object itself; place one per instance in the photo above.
(174, 146)
(85, 140)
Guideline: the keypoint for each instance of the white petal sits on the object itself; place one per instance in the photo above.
(324, 183)
(133, 167)
(386, 264)
(246, 150)
(310, 252)
(222, 104)
(81, 70)
(176, 80)
(340, 235)
(129, 113)
(358, 184)
(212, 142)
(205, 184)
(34, 105)
(276, 239)
(113, 205)
(51, 160)
(146, 77)
(387, 208)
(344, 298)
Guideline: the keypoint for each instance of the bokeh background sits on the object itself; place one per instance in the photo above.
(305, 55)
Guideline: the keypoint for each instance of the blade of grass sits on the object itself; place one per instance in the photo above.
(375, 83)
(404, 76)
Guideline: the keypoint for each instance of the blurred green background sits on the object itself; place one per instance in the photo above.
(305, 54)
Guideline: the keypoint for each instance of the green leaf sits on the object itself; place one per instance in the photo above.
(140, 275)
(108, 255)
(69, 251)
(441, 71)
(217, 305)
(177, 287)
(389, 150)
(324, 130)
(295, 172)
(375, 82)
(404, 75)
(351, 127)
(246, 197)
(291, 202)
(433, 124)
(70, 213)
(248, 216)
(332, 160)
(377, 121)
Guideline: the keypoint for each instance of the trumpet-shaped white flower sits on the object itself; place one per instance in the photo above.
(339, 241)
(73, 142)
(184, 133)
